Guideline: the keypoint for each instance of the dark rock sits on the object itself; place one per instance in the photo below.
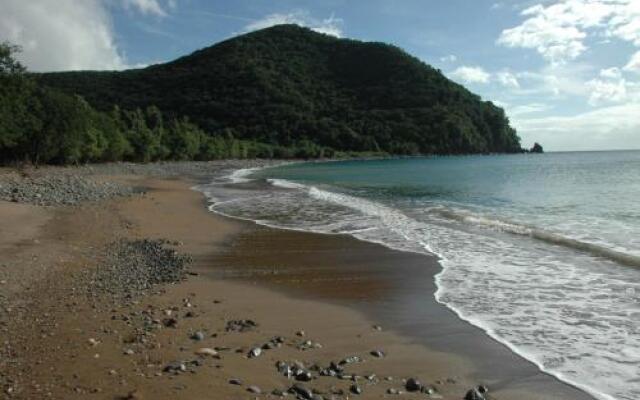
(240, 325)
(198, 336)
(355, 389)
(235, 381)
(301, 392)
(303, 375)
(377, 353)
(413, 385)
(175, 367)
(474, 394)
(537, 148)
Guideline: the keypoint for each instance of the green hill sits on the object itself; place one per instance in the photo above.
(288, 86)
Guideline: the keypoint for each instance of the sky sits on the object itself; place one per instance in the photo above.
(567, 72)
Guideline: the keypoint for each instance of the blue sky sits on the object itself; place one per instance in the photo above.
(566, 71)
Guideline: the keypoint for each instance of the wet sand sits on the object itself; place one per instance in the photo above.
(392, 287)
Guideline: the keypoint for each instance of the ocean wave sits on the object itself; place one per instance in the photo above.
(553, 238)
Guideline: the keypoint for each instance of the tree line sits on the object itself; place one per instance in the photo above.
(42, 125)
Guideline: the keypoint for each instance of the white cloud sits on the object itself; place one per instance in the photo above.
(68, 34)
(611, 73)
(449, 59)
(148, 7)
(601, 129)
(527, 109)
(61, 35)
(606, 91)
(471, 74)
(508, 79)
(634, 63)
(330, 26)
(559, 32)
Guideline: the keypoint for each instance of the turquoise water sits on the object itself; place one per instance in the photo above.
(540, 251)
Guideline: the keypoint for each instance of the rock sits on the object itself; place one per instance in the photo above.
(393, 391)
(240, 325)
(350, 360)
(133, 395)
(377, 327)
(300, 333)
(175, 367)
(377, 353)
(197, 336)
(206, 352)
(128, 352)
(474, 394)
(255, 352)
(235, 381)
(93, 342)
(413, 385)
(355, 389)
(303, 375)
(254, 389)
(278, 393)
(301, 391)
(537, 148)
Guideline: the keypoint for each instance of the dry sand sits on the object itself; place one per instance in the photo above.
(60, 344)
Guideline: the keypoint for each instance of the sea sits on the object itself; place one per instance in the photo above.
(541, 251)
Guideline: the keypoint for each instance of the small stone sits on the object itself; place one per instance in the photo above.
(393, 391)
(477, 393)
(355, 389)
(198, 336)
(413, 385)
(206, 352)
(129, 352)
(235, 381)
(93, 342)
(133, 395)
(303, 375)
(254, 389)
(377, 327)
(175, 367)
(301, 392)
(377, 353)
(255, 352)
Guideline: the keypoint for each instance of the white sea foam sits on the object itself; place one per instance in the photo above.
(575, 316)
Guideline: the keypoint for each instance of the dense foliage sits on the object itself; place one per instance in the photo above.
(39, 124)
(299, 92)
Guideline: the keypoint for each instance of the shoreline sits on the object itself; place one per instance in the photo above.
(172, 210)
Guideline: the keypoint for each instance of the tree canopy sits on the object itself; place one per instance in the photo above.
(281, 92)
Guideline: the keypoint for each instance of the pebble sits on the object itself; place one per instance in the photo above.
(235, 381)
(206, 352)
(355, 389)
(377, 353)
(301, 391)
(413, 385)
(198, 336)
(255, 352)
(254, 389)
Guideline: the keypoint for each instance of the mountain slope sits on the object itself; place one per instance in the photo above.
(288, 85)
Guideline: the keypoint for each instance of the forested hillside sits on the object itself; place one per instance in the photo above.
(288, 85)
(281, 92)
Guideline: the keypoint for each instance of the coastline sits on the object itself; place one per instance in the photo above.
(335, 288)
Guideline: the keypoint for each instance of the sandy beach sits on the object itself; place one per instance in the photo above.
(304, 300)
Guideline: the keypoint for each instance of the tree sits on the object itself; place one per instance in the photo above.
(8, 64)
